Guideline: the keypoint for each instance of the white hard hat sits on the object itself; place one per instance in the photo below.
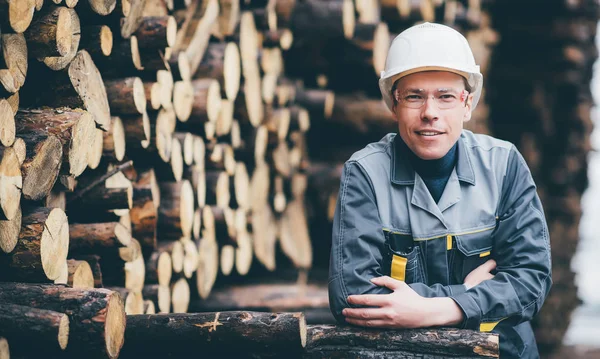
(429, 47)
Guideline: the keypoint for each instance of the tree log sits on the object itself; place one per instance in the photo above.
(137, 130)
(159, 295)
(94, 262)
(175, 249)
(19, 13)
(222, 62)
(113, 141)
(41, 252)
(326, 341)
(109, 239)
(60, 62)
(20, 324)
(336, 20)
(217, 188)
(80, 274)
(206, 105)
(180, 296)
(14, 51)
(144, 214)
(249, 109)
(9, 232)
(74, 128)
(51, 33)
(43, 159)
(253, 332)
(157, 32)
(102, 199)
(208, 264)
(97, 40)
(159, 268)
(100, 7)
(176, 213)
(124, 274)
(124, 59)
(97, 318)
(319, 103)
(126, 96)
(132, 300)
(229, 17)
(183, 99)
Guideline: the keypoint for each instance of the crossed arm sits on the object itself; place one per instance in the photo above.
(405, 308)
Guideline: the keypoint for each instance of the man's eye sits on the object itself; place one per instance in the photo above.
(447, 97)
(413, 98)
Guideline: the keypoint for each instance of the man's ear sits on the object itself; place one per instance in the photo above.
(468, 109)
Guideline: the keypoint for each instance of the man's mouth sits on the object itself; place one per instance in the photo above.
(429, 133)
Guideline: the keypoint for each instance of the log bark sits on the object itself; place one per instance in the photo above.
(222, 62)
(153, 93)
(74, 128)
(60, 62)
(41, 251)
(97, 40)
(229, 17)
(144, 214)
(109, 239)
(269, 297)
(51, 33)
(137, 130)
(176, 212)
(97, 318)
(126, 96)
(20, 324)
(14, 51)
(326, 341)
(253, 332)
(282, 38)
(336, 20)
(124, 59)
(157, 32)
(43, 160)
(102, 199)
(319, 103)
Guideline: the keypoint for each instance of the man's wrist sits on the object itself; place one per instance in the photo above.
(442, 311)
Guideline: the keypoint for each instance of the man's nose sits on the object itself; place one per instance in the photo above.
(430, 110)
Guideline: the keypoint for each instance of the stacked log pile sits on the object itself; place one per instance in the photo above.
(152, 148)
(541, 100)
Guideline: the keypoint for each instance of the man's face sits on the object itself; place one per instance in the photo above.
(427, 130)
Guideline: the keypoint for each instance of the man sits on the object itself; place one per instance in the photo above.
(435, 225)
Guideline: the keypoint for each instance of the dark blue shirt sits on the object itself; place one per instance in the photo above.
(435, 173)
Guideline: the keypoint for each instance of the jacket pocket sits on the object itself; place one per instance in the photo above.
(475, 249)
(403, 258)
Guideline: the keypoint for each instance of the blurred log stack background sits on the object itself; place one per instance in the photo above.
(168, 156)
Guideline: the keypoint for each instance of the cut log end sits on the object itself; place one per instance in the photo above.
(7, 124)
(54, 243)
(227, 259)
(9, 232)
(231, 71)
(80, 274)
(63, 331)
(180, 297)
(42, 168)
(64, 31)
(106, 40)
(114, 330)
(96, 149)
(102, 7)
(183, 99)
(84, 133)
(348, 18)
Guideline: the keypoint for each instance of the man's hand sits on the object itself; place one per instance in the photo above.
(480, 274)
(403, 308)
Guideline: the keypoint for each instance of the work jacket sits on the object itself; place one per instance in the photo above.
(387, 223)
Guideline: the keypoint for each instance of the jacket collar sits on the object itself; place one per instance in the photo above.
(402, 172)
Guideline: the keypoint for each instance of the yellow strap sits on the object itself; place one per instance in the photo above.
(488, 327)
(449, 242)
(398, 267)
(485, 254)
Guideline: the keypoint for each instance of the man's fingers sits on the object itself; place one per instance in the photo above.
(376, 323)
(370, 300)
(366, 313)
(388, 282)
(489, 266)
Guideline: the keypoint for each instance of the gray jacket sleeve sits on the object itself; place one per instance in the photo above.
(357, 241)
(522, 252)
